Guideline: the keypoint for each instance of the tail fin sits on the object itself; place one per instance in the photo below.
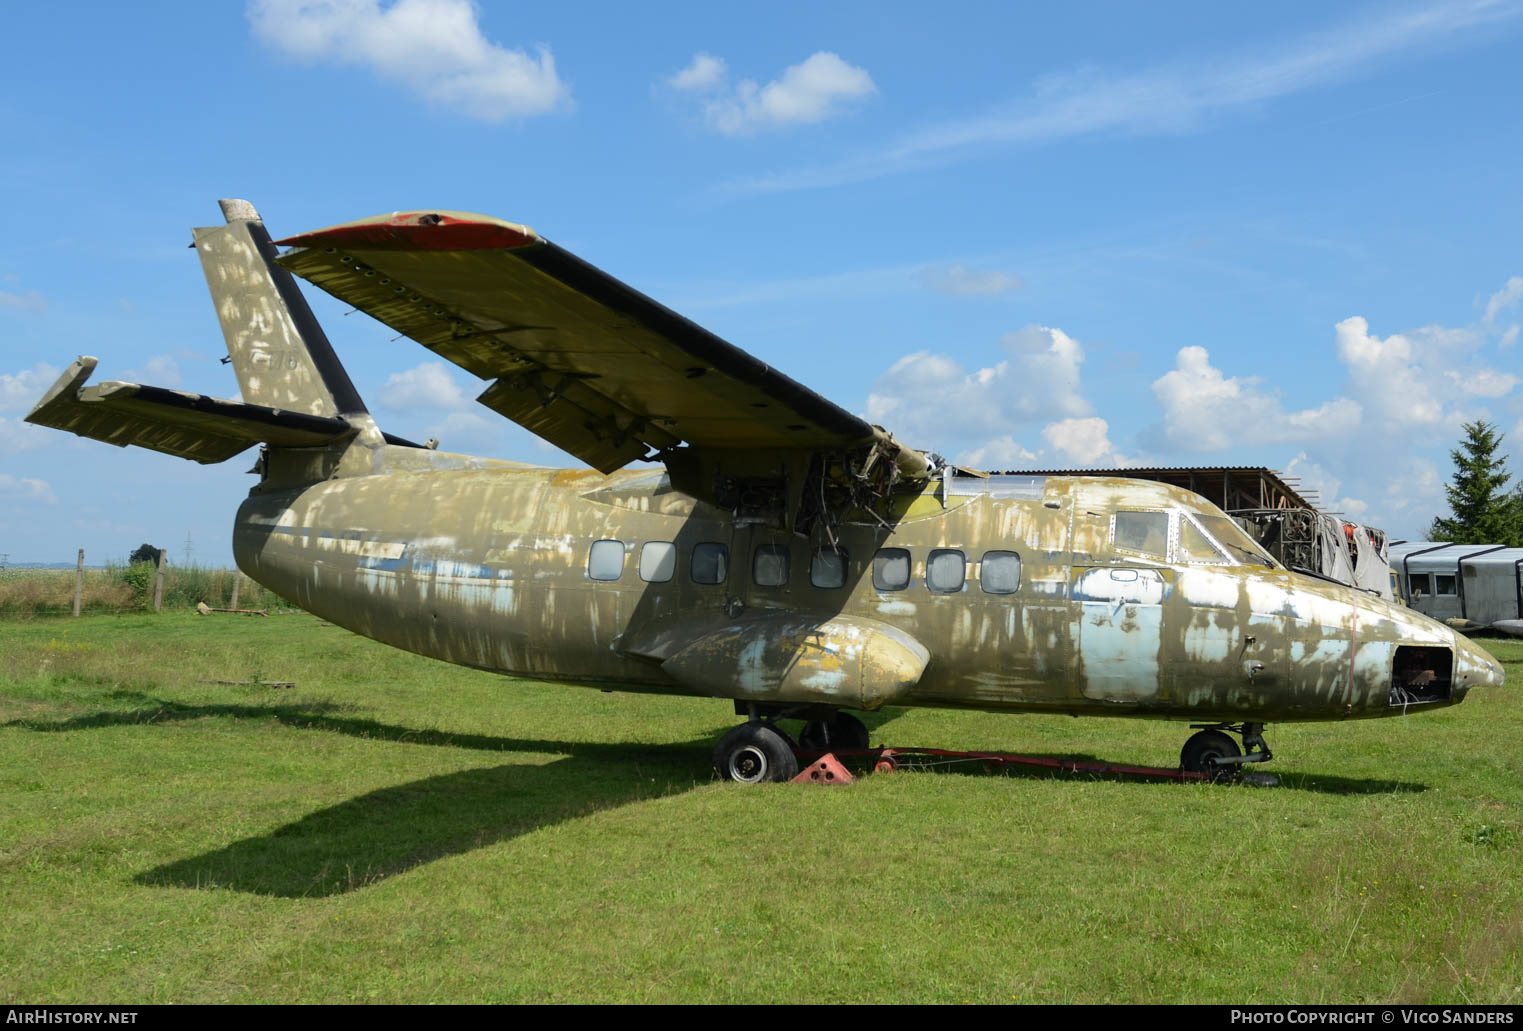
(279, 352)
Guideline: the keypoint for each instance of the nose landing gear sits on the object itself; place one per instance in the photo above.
(1215, 754)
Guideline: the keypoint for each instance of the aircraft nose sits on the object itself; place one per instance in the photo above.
(1474, 666)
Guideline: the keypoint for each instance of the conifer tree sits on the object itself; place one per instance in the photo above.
(1482, 510)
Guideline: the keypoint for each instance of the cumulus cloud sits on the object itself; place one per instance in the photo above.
(705, 73)
(19, 488)
(932, 401)
(159, 371)
(931, 397)
(433, 47)
(19, 391)
(1205, 410)
(1083, 442)
(1504, 298)
(959, 280)
(817, 88)
(428, 387)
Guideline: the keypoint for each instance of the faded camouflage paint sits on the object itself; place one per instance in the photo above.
(272, 362)
(485, 564)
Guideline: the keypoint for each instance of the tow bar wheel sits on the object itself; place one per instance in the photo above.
(753, 753)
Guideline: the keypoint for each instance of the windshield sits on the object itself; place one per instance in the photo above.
(1235, 539)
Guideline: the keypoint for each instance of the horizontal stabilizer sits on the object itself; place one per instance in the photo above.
(204, 429)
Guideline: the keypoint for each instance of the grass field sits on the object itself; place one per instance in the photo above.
(396, 830)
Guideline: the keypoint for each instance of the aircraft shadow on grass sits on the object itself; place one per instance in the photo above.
(373, 836)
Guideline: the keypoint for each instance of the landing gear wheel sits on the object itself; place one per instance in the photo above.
(843, 730)
(1201, 752)
(753, 753)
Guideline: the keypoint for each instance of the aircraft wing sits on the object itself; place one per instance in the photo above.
(203, 429)
(579, 358)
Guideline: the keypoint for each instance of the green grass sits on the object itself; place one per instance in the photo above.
(397, 830)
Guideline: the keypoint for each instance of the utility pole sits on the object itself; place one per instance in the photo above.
(187, 549)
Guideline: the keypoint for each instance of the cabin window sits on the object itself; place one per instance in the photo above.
(769, 566)
(1196, 547)
(945, 571)
(827, 568)
(891, 569)
(711, 563)
(1419, 583)
(1444, 584)
(658, 561)
(1146, 533)
(999, 572)
(606, 560)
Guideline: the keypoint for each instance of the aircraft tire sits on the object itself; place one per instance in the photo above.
(843, 730)
(753, 753)
(1202, 749)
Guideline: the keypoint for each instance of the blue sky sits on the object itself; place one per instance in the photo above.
(1174, 233)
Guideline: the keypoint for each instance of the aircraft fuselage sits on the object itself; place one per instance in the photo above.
(491, 565)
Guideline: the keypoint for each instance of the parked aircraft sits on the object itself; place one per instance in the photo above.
(768, 546)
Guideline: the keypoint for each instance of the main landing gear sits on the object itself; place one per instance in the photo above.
(759, 750)
(1215, 754)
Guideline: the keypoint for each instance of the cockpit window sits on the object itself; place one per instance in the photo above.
(1235, 539)
(1144, 532)
(1195, 547)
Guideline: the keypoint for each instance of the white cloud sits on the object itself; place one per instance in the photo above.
(428, 387)
(1510, 337)
(1084, 441)
(20, 391)
(1504, 298)
(159, 371)
(14, 488)
(815, 89)
(1165, 99)
(32, 301)
(1000, 453)
(930, 400)
(705, 73)
(961, 281)
(434, 47)
(1204, 410)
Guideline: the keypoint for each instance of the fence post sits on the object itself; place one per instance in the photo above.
(237, 581)
(158, 584)
(79, 582)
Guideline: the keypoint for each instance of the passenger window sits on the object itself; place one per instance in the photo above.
(769, 567)
(1144, 532)
(891, 569)
(827, 568)
(999, 572)
(711, 563)
(606, 560)
(945, 571)
(1445, 584)
(1195, 546)
(1419, 583)
(658, 561)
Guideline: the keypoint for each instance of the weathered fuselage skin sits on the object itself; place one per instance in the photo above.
(485, 564)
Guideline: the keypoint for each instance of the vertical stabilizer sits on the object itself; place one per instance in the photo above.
(279, 352)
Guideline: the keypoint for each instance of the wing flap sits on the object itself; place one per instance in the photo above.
(195, 426)
(505, 304)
